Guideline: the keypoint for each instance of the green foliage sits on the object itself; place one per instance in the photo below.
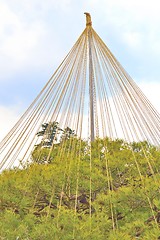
(71, 191)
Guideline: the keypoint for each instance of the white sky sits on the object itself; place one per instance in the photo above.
(36, 35)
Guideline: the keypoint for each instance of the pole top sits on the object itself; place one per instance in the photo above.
(88, 19)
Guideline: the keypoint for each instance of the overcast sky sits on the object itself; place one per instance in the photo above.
(36, 35)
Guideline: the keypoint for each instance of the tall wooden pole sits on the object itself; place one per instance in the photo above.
(91, 77)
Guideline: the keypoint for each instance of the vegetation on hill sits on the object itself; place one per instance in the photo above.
(71, 192)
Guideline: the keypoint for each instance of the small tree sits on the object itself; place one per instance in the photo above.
(49, 133)
(68, 133)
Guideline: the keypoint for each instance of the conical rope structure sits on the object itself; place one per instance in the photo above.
(88, 104)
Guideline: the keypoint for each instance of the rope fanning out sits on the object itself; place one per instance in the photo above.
(89, 103)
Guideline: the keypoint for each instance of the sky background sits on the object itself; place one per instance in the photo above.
(36, 35)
